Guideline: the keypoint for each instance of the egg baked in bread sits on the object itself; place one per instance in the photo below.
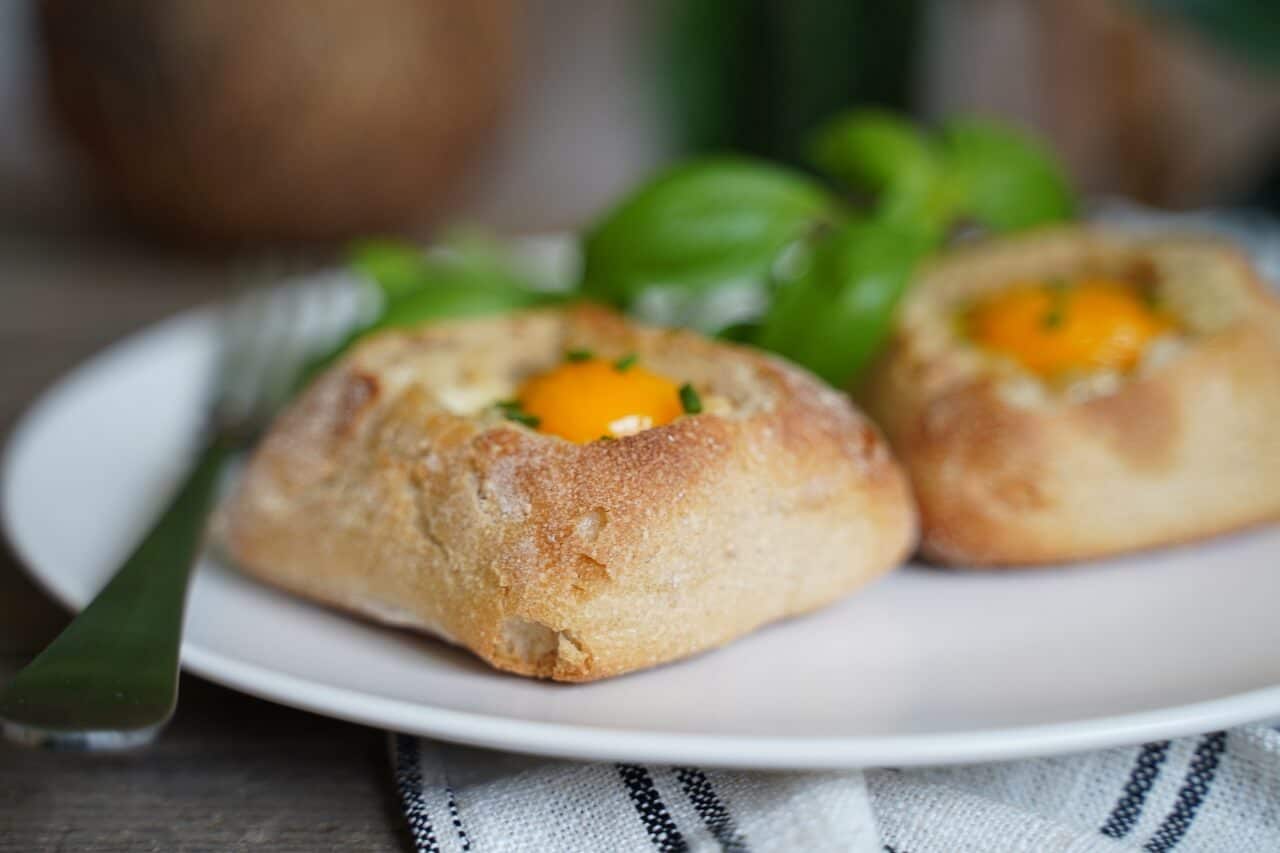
(1076, 393)
(568, 495)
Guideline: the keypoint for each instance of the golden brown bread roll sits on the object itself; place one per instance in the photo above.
(1012, 468)
(395, 489)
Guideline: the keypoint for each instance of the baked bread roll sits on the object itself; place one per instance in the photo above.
(1050, 447)
(395, 488)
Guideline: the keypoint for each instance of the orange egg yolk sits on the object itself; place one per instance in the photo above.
(594, 398)
(1056, 328)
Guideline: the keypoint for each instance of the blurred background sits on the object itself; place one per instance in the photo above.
(211, 125)
(152, 151)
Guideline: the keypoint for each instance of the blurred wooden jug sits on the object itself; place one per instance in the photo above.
(245, 121)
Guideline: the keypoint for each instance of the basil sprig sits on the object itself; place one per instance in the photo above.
(759, 254)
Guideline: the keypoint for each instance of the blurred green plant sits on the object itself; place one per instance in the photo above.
(755, 76)
(1248, 28)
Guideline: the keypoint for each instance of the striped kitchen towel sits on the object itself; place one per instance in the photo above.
(1215, 792)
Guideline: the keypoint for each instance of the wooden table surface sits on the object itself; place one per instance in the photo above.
(231, 772)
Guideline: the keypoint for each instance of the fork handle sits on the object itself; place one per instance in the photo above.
(110, 679)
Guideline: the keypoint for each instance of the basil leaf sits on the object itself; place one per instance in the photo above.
(394, 266)
(695, 246)
(1002, 178)
(874, 151)
(402, 270)
(454, 298)
(835, 315)
(467, 279)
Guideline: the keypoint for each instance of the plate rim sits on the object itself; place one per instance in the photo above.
(583, 742)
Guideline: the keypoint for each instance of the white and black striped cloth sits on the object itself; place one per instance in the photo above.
(1216, 792)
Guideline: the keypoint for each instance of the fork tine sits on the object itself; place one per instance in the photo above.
(297, 339)
(270, 334)
(248, 322)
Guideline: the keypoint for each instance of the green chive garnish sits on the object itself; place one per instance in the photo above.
(1056, 315)
(625, 363)
(579, 355)
(689, 400)
(512, 411)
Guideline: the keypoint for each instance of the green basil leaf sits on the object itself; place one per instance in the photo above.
(881, 155)
(836, 314)
(458, 298)
(1003, 178)
(394, 266)
(464, 279)
(401, 269)
(695, 246)
(874, 152)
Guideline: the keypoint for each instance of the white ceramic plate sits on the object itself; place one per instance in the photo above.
(926, 667)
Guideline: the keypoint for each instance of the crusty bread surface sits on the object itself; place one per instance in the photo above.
(395, 489)
(1008, 470)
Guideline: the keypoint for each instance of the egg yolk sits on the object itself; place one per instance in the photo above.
(1055, 328)
(594, 398)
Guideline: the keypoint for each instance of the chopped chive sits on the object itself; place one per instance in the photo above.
(689, 399)
(1056, 315)
(579, 355)
(625, 363)
(513, 411)
(531, 421)
(607, 437)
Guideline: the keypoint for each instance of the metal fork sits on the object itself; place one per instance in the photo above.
(110, 679)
